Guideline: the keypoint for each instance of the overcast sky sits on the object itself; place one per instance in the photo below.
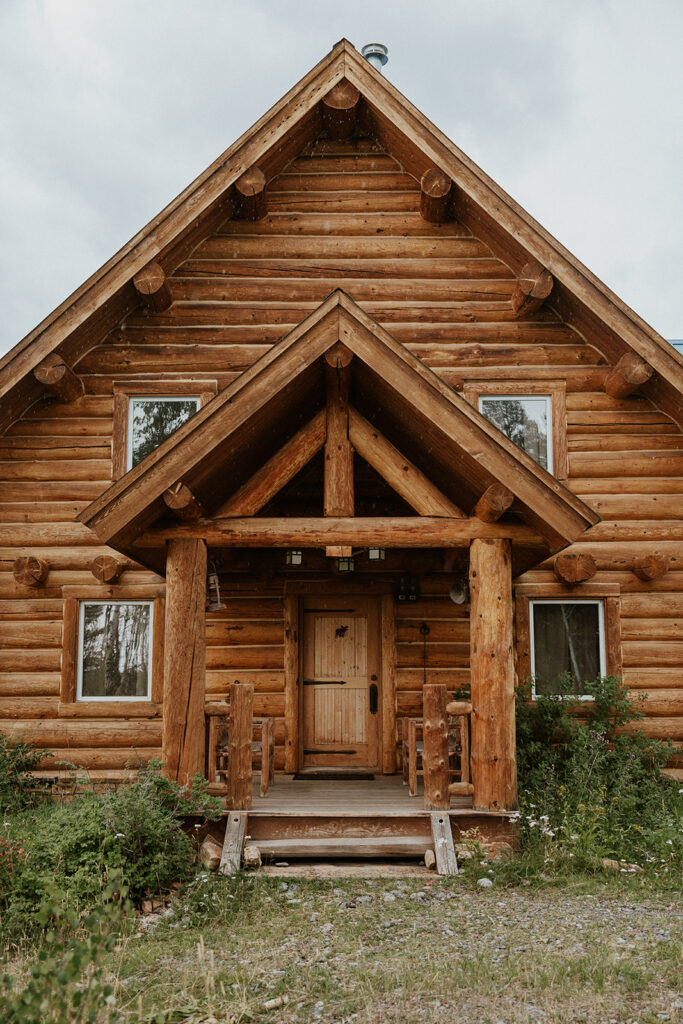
(107, 111)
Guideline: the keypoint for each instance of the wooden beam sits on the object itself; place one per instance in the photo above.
(240, 728)
(106, 569)
(650, 567)
(533, 287)
(390, 532)
(338, 487)
(388, 677)
(29, 571)
(59, 379)
(183, 739)
(444, 850)
(492, 675)
(627, 376)
(435, 754)
(233, 843)
(277, 471)
(182, 502)
(574, 568)
(251, 190)
(291, 637)
(436, 189)
(400, 473)
(339, 109)
(494, 502)
(152, 286)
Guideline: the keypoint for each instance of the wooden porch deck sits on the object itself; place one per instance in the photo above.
(384, 796)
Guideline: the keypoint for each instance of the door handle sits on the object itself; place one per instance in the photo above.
(373, 698)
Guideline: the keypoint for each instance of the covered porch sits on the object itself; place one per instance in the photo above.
(272, 468)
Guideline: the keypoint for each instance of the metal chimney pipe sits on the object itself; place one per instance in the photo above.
(376, 54)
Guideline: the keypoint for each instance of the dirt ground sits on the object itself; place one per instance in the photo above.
(413, 951)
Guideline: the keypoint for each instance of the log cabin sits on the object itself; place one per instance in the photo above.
(342, 446)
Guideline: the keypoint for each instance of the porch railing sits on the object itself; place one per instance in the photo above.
(235, 739)
(439, 718)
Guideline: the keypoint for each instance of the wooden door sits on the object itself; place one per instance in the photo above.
(341, 686)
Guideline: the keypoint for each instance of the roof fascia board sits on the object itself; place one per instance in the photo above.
(536, 241)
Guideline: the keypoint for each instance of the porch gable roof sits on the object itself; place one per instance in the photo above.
(455, 445)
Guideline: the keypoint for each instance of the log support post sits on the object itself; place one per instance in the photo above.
(251, 190)
(650, 567)
(627, 376)
(533, 287)
(339, 110)
(152, 286)
(58, 378)
(493, 758)
(435, 755)
(183, 738)
(338, 485)
(240, 727)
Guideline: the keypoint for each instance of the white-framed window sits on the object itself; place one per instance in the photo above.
(526, 420)
(115, 650)
(567, 645)
(153, 418)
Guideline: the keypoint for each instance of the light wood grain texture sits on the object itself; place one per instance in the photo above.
(184, 660)
(240, 729)
(435, 757)
(59, 379)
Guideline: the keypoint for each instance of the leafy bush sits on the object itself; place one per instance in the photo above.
(17, 761)
(589, 791)
(133, 831)
(66, 983)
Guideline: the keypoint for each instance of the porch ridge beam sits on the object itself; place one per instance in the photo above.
(338, 486)
(277, 471)
(399, 472)
(393, 532)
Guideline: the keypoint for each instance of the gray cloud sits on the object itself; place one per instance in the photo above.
(108, 110)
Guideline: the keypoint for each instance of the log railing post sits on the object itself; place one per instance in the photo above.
(183, 735)
(435, 754)
(492, 673)
(240, 727)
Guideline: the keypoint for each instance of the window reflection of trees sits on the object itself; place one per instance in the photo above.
(154, 420)
(566, 646)
(115, 650)
(511, 416)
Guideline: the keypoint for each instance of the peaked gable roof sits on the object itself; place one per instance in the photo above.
(102, 301)
(452, 439)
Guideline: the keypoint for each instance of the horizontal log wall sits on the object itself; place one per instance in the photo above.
(343, 215)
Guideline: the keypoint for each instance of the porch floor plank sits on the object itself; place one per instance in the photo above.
(385, 795)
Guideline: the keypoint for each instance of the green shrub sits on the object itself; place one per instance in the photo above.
(134, 831)
(588, 791)
(66, 983)
(17, 760)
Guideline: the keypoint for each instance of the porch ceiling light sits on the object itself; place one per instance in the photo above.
(215, 604)
(294, 557)
(376, 554)
(346, 565)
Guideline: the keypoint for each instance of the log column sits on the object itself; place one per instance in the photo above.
(338, 483)
(493, 760)
(183, 739)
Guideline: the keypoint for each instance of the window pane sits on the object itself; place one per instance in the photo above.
(115, 653)
(152, 420)
(566, 640)
(523, 420)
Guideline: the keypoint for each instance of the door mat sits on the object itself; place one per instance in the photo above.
(334, 776)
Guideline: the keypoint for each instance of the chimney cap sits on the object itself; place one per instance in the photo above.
(376, 53)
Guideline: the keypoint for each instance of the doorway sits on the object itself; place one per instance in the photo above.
(341, 691)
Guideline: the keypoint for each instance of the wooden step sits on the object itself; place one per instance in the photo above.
(310, 847)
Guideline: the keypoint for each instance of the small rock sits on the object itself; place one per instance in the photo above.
(327, 928)
(389, 897)
(610, 865)
(282, 864)
(210, 853)
(485, 883)
(273, 1004)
